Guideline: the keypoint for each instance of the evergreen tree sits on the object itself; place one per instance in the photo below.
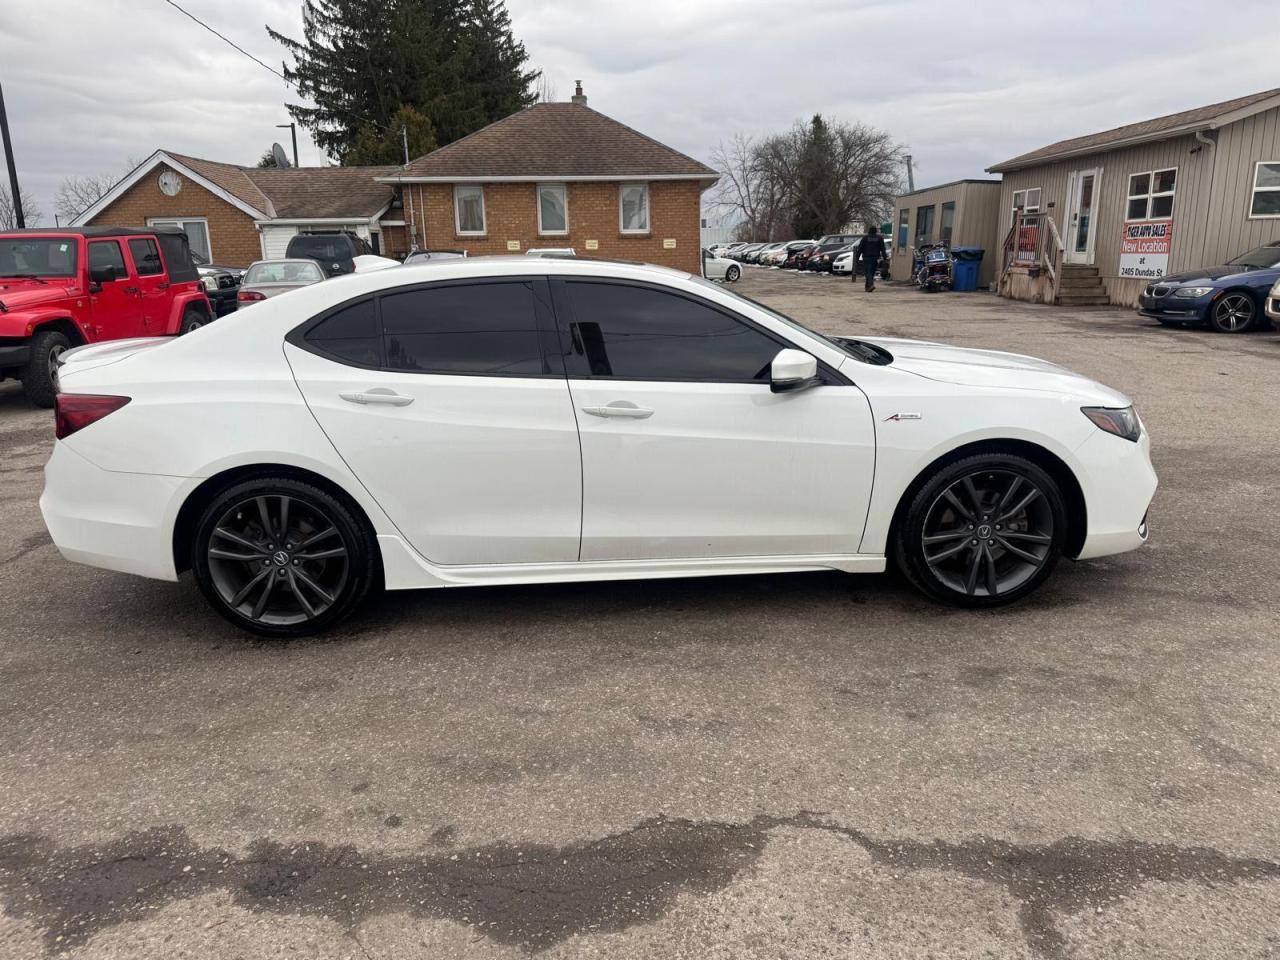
(454, 63)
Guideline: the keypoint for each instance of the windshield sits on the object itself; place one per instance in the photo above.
(864, 352)
(38, 256)
(1263, 257)
(283, 272)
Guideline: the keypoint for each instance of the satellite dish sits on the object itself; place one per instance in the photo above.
(278, 154)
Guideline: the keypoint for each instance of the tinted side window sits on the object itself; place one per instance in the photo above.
(146, 256)
(107, 253)
(349, 335)
(485, 328)
(638, 333)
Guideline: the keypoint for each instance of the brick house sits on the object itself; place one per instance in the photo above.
(235, 215)
(558, 175)
(551, 175)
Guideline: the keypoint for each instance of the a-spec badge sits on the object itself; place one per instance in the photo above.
(905, 416)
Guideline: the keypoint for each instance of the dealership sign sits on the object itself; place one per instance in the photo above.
(1144, 251)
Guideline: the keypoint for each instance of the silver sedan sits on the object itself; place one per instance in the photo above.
(269, 278)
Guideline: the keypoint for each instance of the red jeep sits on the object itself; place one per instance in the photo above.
(63, 288)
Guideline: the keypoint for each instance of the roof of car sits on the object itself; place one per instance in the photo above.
(96, 231)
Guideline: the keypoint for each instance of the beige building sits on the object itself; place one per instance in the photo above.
(963, 213)
(1096, 218)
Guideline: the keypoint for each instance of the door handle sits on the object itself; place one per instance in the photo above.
(620, 408)
(132, 290)
(378, 395)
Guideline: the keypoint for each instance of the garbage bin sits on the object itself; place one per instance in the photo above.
(965, 267)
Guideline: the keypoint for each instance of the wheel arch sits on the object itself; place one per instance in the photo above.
(63, 325)
(184, 526)
(1045, 459)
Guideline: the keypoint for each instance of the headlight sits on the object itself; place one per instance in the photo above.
(210, 282)
(1191, 293)
(1122, 421)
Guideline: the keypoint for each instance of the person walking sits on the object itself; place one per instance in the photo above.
(870, 251)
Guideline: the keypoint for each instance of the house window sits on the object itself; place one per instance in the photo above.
(1026, 201)
(633, 207)
(553, 208)
(1151, 195)
(468, 209)
(197, 231)
(948, 221)
(924, 225)
(1266, 189)
(904, 221)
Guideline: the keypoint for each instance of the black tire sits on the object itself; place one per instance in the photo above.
(1234, 313)
(253, 555)
(733, 273)
(193, 318)
(38, 379)
(1035, 531)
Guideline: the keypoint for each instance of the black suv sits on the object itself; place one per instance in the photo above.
(335, 252)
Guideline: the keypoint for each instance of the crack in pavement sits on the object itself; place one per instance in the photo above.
(535, 895)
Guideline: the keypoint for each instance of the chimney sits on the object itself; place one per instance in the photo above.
(578, 96)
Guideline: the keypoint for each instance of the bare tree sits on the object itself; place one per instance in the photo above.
(545, 89)
(9, 216)
(76, 194)
(749, 189)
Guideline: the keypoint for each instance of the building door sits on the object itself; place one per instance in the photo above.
(1082, 222)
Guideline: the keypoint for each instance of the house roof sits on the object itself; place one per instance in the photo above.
(231, 178)
(943, 186)
(1161, 128)
(563, 141)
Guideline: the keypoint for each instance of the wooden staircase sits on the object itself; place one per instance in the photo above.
(1081, 287)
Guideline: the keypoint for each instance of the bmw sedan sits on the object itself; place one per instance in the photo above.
(522, 420)
(1230, 298)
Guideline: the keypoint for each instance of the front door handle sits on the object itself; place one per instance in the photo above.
(132, 290)
(620, 408)
(378, 395)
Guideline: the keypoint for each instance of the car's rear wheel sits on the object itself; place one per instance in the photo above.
(39, 376)
(283, 558)
(983, 531)
(732, 274)
(1234, 313)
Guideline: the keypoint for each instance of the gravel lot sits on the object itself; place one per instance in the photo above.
(809, 765)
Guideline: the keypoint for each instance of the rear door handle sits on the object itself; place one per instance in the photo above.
(378, 395)
(620, 408)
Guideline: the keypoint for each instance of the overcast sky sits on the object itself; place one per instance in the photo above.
(92, 84)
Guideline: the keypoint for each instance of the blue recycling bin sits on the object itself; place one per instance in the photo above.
(966, 265)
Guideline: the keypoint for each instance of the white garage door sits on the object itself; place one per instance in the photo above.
(275, 241)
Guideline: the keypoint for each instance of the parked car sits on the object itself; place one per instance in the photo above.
(742, 253)
(1229, 298)
(68, 287)
(335, 252)
(424, 256)
(685, 430)
(818, 258)
(847, 262)
(270, 278)
(559, 253)
(759, 256)
(796, 250)
(221, 283)
(732, 249)
(719, 268)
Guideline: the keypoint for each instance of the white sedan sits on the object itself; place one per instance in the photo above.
(720, 268)
(525, 420)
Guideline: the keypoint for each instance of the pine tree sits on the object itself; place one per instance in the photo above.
(454, 63)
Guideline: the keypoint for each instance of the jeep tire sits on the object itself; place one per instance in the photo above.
(38, 375)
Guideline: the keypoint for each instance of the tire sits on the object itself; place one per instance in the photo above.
(938, 546)
(193, 318)
(1234, 313)
(261, 580)
(38, 375)
(733, 273)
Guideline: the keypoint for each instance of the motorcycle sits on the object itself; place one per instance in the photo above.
(932, 267)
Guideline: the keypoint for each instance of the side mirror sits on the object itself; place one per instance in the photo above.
(793, 370)
(102, 275)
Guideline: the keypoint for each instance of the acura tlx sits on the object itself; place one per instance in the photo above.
(521, 420)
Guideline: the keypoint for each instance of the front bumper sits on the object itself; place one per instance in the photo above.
(1118, 483)
(1176, 309)
(15, 356)
(119, 521)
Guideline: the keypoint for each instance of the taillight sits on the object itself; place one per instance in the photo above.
(75, 411)
(250, 296)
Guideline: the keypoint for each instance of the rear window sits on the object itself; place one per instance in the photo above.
(300, 272)
(320, 247)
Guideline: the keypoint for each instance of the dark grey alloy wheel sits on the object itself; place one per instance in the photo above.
(1234, 313)
(282, 558)
(984, 531)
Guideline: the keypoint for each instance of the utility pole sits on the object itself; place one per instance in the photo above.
(13, 169)
(293, 131)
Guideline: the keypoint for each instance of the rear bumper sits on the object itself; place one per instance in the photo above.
(1118, 484)
(15, 356)
(118, 521)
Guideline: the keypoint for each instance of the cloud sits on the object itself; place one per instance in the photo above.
(963, 86)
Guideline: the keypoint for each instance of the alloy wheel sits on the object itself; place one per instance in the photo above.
(988, 533)
(278, 560)
(55, 354)
(1234, 313)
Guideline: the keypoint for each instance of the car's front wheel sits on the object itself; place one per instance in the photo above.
(1234, 313)
(983, 531)
(40, 376)
(282, 558)
(732, 274)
